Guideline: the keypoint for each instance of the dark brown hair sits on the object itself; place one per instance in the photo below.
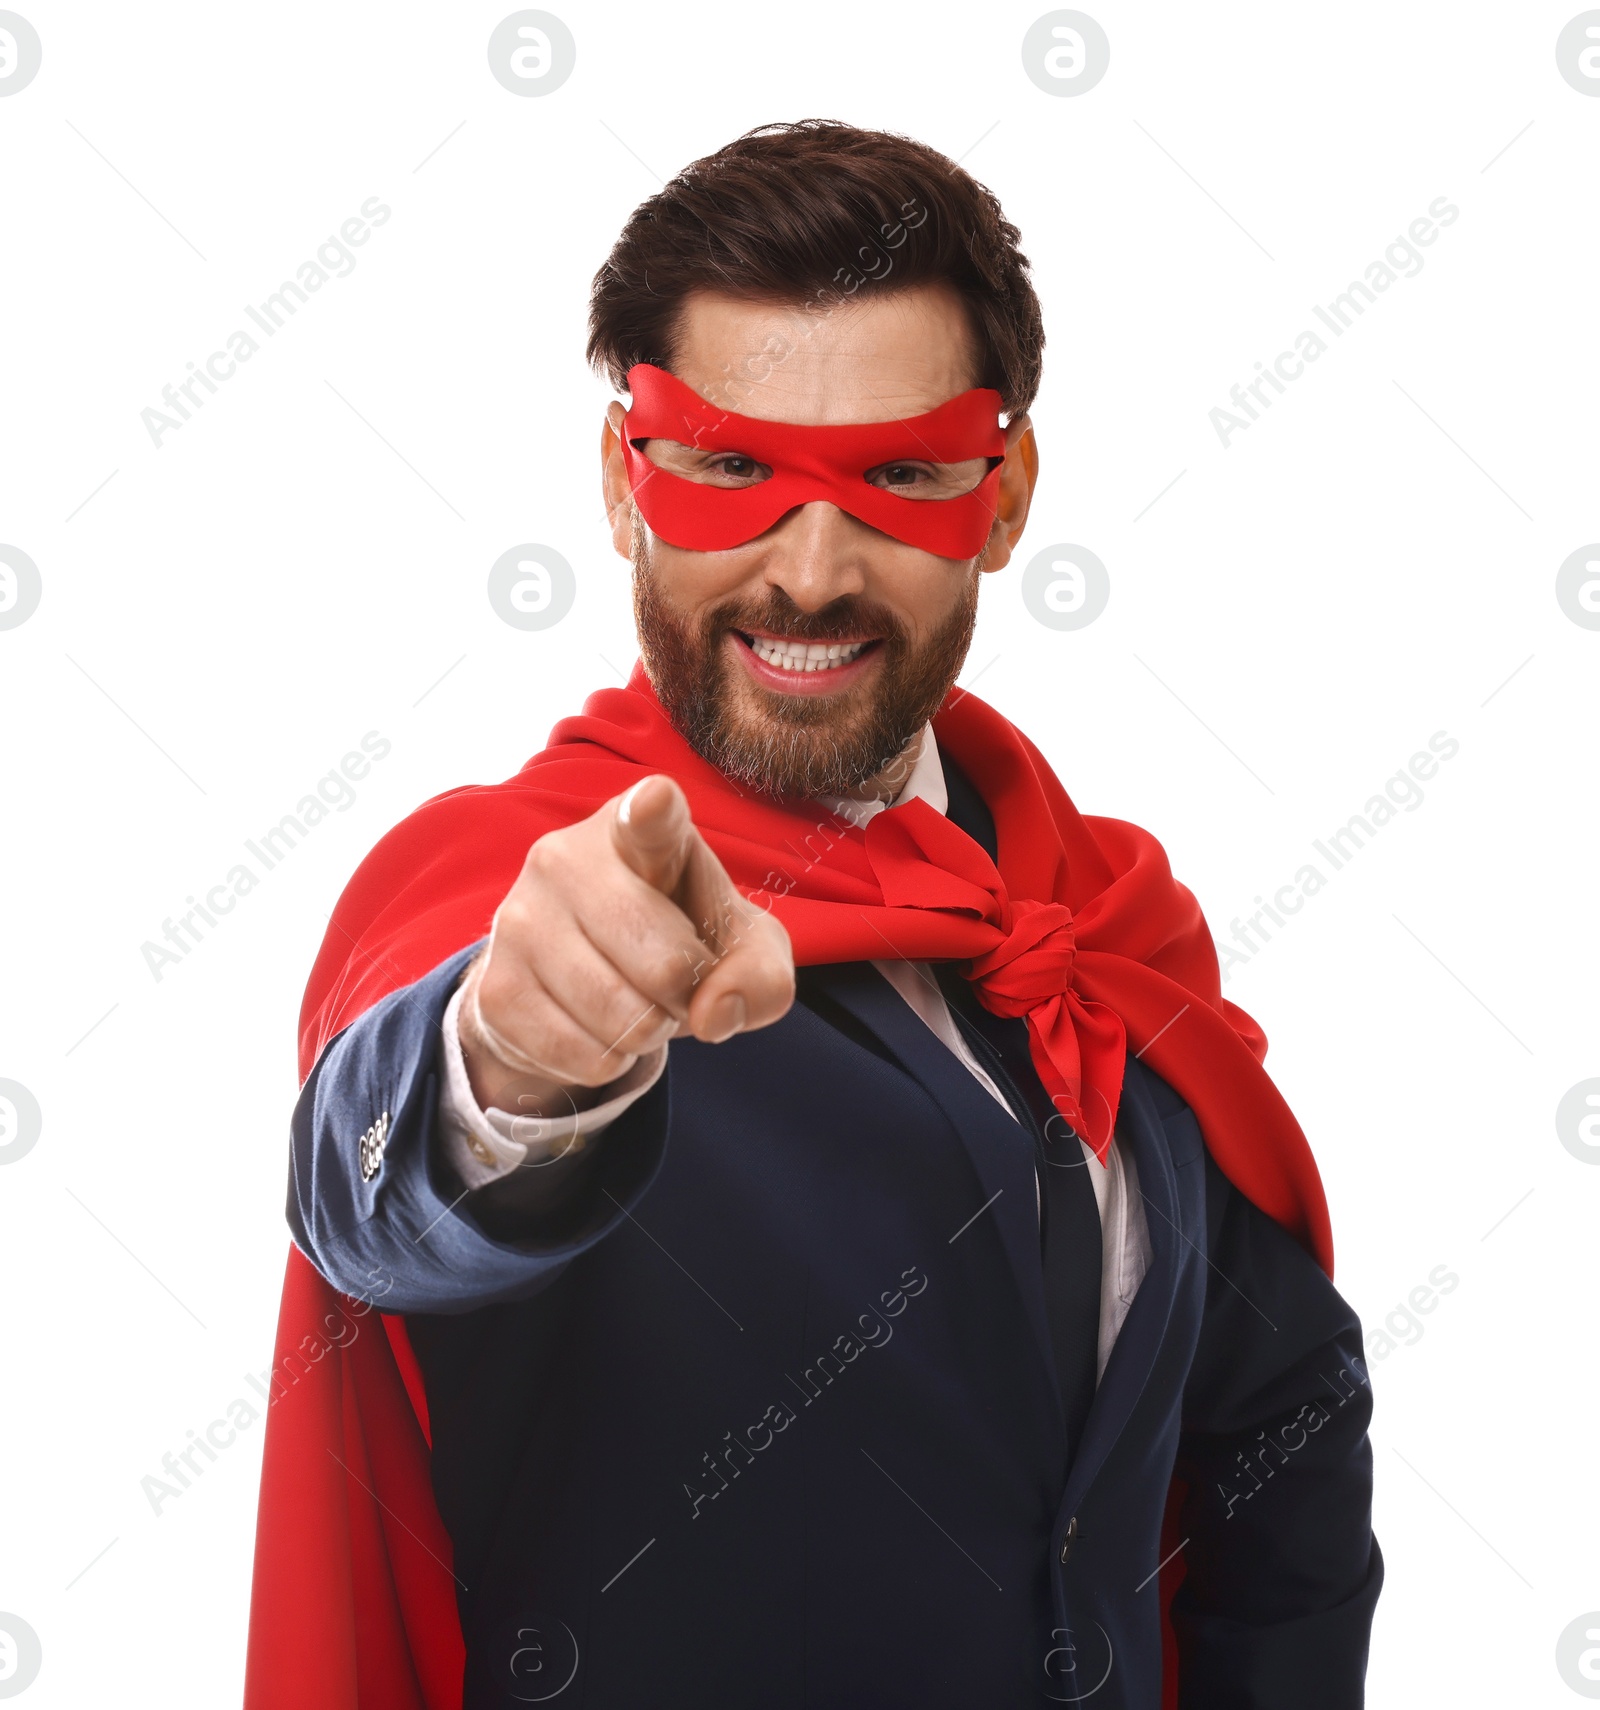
(814, 213)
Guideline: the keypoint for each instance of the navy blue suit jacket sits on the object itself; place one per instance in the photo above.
(753, 1403)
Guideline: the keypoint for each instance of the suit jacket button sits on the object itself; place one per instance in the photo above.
(1068, 1539)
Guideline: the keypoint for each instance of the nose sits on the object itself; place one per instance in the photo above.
(818, 553)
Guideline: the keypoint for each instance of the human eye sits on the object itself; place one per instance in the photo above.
(728, 469)
(902, 477)
(733, 469)
(917, 480)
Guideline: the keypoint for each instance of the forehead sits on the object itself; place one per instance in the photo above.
(879, 358)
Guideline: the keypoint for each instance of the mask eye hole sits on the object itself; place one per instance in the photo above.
(915, 478)
(730, 470)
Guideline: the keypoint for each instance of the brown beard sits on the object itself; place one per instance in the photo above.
(798, 745)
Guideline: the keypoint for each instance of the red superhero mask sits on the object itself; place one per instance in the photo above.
(808, 462)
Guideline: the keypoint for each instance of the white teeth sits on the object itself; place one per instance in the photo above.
(804, 656)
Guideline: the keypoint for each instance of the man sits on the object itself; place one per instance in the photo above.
(835, 1244)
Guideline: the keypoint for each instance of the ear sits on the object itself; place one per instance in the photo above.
(614, 485)
(1019, 474)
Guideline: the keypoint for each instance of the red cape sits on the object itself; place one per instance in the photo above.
(1079, 925)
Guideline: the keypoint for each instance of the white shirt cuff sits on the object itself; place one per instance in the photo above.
(481, 1146)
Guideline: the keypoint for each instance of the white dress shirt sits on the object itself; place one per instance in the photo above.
(483, 1145)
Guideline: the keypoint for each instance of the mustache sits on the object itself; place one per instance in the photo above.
(843, 619)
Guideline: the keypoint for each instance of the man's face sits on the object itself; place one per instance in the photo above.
(805, 661)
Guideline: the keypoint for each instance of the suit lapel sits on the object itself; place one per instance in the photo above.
(1002, 1157)
(1142, 1135)
(1000, 1149)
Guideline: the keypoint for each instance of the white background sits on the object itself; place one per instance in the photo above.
(1373, 561)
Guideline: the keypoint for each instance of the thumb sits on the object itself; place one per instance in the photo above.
(652, 831)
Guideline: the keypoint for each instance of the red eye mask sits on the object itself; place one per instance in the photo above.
(808, 463)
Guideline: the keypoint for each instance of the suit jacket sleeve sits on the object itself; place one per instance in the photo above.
(375, 1207)
(1282, 1569)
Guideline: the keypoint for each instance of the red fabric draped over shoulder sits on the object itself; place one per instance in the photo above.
(1077, 925)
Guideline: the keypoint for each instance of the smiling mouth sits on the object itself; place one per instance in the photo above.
(804, 657)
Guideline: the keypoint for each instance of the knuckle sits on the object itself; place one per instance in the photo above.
(555, 1044)
(665, 970)
(498, 990)
(537, 860)
(513, 920)
(550, 857)
(613, 1005)
(541, 859)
